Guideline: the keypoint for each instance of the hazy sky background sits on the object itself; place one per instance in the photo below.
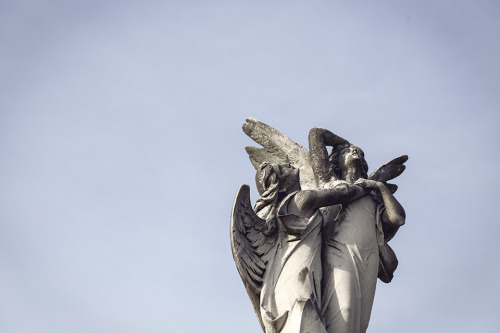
(122, 150)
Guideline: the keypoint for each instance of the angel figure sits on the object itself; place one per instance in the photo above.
(277, 247)
(356, 249)
(310, 257)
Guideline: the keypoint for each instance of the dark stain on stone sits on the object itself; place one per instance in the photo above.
(303, 273)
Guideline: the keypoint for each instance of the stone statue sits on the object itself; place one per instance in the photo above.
(310, 250)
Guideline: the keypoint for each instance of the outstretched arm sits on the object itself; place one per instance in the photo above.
(308, 201)
(319, 139)
(394, 213)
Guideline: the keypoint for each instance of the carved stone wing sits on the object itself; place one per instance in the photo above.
(250, 246)
(278, 148)
(390, 170)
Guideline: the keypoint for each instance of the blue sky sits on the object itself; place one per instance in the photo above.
(122, 151)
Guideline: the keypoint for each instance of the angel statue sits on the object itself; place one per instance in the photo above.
(310, 250)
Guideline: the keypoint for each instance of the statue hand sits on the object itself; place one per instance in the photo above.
(368, 184)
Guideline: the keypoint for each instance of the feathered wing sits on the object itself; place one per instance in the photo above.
(250, 246)
(259, 155)
(390, 170)
(279, 148)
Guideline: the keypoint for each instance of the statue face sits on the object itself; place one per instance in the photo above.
(351, 156)
(289, 178)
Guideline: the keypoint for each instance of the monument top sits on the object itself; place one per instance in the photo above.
(310, 250)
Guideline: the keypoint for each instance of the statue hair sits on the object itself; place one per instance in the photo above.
(334, 161)
(267, 180)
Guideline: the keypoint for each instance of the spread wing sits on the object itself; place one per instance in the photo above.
(250, 246)
(278, 148)
(390, 170)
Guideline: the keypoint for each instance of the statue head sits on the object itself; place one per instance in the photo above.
(277, 178)
(274, 181)
(344, 158)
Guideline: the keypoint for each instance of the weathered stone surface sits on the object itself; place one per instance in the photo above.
(310, 250)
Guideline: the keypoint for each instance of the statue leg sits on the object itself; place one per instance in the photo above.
(342, 290)
(368, 285)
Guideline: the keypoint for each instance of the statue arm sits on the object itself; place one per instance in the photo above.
(394, 213)
(319, 139)
(310, 200)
